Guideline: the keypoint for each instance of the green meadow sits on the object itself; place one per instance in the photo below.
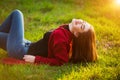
(43, 15)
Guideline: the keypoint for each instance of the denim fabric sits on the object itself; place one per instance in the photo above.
(12, 35)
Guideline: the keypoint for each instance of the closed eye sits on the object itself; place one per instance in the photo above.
(82, 26)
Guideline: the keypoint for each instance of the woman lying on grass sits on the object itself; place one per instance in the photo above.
(73, 42)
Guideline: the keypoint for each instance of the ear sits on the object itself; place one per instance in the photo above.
(76, 34)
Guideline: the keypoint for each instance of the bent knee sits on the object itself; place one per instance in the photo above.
(17, 12)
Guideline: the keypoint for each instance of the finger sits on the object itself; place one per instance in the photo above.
(24, 57)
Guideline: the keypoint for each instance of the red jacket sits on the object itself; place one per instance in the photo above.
(58, 47)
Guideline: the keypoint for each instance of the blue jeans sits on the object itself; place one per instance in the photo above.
(12, 35)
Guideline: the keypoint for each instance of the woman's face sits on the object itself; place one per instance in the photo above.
(79, 26)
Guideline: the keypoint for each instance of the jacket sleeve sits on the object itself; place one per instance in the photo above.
(59, 48)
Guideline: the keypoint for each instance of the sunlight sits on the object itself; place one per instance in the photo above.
(118, 2)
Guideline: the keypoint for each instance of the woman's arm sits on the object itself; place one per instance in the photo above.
(60, 56)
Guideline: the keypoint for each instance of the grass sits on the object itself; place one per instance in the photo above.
(43, 15)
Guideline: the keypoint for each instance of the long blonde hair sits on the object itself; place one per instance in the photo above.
(84, 47)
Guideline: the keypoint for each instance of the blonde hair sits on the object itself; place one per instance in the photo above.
(84, 47)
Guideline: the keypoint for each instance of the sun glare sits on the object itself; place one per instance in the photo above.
(118, 2)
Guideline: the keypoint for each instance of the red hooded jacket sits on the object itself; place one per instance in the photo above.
(58, 48)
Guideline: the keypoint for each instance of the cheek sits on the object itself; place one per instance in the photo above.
(87, 27)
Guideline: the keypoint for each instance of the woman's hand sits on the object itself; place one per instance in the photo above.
(29, 58)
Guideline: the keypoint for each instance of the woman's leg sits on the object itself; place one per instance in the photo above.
(12, 35)
(3, 40)
(4, 30)
(15, 41)
(5, 26)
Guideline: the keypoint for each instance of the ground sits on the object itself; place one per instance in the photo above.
(43, 15)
